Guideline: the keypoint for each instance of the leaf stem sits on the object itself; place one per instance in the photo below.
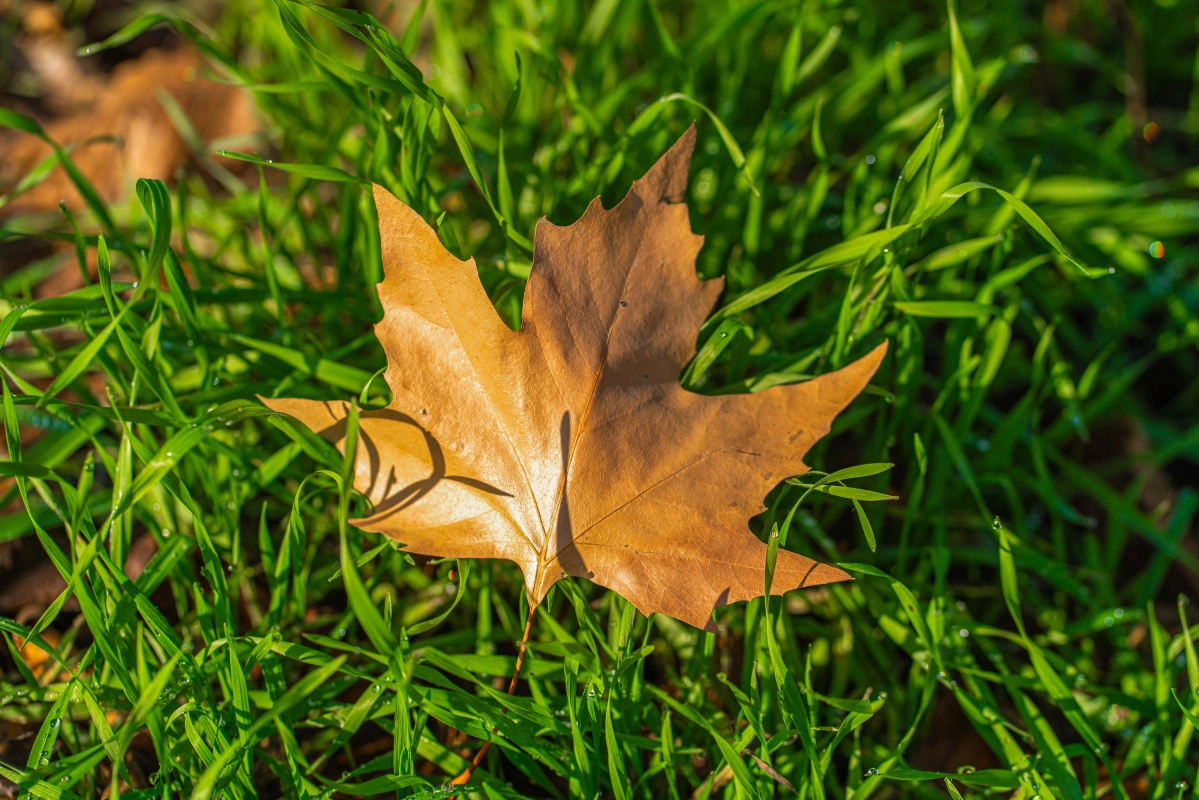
(520, 660)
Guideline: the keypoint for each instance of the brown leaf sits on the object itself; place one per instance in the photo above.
(569, 446)
(63, 80)
(127, 133)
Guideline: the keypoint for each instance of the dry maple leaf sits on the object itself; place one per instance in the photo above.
(569, 446)
(127, 133)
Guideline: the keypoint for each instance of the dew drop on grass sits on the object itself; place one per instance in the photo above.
(872, 771)
(54, 723)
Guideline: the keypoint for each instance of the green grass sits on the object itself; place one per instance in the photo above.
(1014, 618)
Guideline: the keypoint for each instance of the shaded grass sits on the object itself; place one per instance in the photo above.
(1014, 611)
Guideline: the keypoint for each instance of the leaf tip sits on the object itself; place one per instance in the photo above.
(667, 178)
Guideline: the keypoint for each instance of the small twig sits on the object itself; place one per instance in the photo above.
(520, 660)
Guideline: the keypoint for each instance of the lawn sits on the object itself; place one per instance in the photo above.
(1006, 193)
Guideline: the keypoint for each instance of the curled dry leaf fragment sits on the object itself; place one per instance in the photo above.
(37, 659)
(127, 133)
(569, 446)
